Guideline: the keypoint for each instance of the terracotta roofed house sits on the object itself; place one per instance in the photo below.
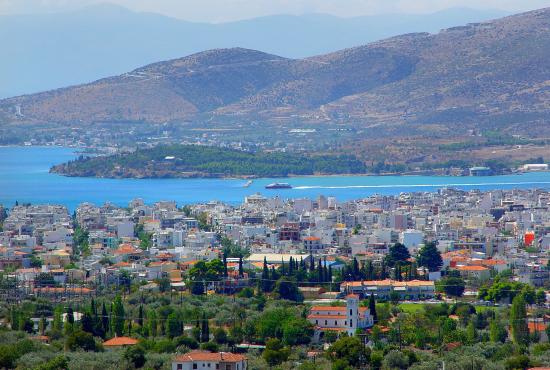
(346, 318)
(210, 360)
(120, 342)
(413, 290)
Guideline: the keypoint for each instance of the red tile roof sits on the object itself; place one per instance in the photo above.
(472, 268)
(210, 356)
(120, 341)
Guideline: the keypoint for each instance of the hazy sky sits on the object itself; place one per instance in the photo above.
(228, 10)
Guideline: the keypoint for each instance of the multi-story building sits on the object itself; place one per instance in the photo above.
(339, 318)
(408, 290)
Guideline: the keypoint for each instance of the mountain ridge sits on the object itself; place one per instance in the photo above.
(480, 71)
(85, 45)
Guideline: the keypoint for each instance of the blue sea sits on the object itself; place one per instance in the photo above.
(25, 177)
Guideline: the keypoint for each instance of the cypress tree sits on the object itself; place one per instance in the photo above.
(319, 272)
(372, 308)
(93, 308)
(518, 320)
(383, 274)
(205, 330)
(291, 267)
(265, 277)
(140, 316)
(311, 263)
(118, 316)
(414, 266)
(274, 276)
(241, 269)
(153, 325)
(224, 266)
(104, 318)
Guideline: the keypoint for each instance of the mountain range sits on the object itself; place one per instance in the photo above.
(490, 72)
(47, 51)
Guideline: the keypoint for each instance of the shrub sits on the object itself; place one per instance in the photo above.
(188, 342)
(81, 340)
(210, 346)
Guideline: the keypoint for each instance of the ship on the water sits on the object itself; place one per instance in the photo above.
(247, 184)
(279, 185)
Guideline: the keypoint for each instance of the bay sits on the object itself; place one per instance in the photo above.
(25, 177)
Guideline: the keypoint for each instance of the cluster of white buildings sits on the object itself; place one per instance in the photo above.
(478, 233)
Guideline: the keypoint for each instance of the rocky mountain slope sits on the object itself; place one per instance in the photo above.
(493, 72)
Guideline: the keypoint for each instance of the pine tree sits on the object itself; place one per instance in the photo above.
(372, 308)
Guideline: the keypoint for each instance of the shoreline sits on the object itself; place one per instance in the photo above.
(254, 177)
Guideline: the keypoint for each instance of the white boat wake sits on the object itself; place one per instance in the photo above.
(420, 185)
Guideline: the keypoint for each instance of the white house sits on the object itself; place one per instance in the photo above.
(210, 360)
(340, 318)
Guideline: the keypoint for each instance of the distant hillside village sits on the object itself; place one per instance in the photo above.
(339, 259)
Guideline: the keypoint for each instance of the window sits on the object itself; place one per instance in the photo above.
(351, 323)
(180, 367)
(316, 321)
(195, 366)
(326, 323)
(208, 364)
(351, 312)
(335, 322)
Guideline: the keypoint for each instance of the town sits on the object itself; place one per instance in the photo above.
(314, 282)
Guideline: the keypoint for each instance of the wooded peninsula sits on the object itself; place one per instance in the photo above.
(184, 161)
